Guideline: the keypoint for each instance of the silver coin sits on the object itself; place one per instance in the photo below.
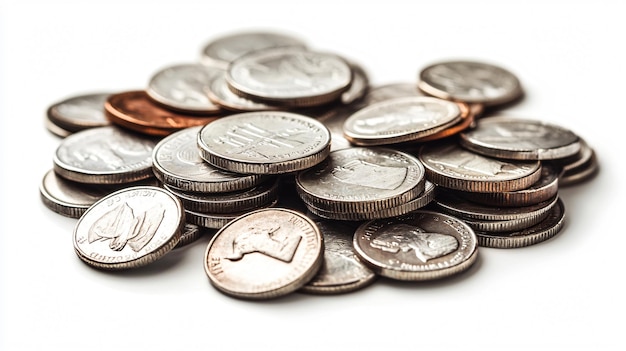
(470, 82)
(582, 173)
(334, 119)
(341, 271)
(191, 233)
(358, 87)
(272, 142)
(264, 254)
(540, 232)
(289, 76)
(177, 163)
(400, 120)
(79, 112)
(219, 92)
(451, 166)
(56, 129)
(520, 139)
(361, 180)
(390, 91)
(182, 87)
(129, 228)
(221, 51)
(423, 245)
(218, 220)
(104, 155)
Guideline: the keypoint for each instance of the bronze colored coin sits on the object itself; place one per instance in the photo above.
(136, 111)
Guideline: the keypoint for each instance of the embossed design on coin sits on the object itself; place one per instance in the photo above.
(406, 238)
(268, 241)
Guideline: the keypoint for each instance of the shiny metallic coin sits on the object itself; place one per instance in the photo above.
(218, 220)
(219, 92)
(176, 162)
(183, 87)
(470, 82)
(333, 119)
(401, 120)
(104, 155)
(341, 271)
(578, 160)
(451, 166)
(520, 139)
(467, 121)
(362, 179)
(191, 233)
(358, 87)
(423, 245)
(79, 112)
(221, 51)
(237, 201)
(390, 91)
(582, 173)
(500, 226)
(540, 232)
(136, 111)
(289, 76)
(273, 142)
(56, 129)
(129, 228)
(264, 254)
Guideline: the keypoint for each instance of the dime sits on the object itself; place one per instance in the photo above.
(290, 76)
(183, 87)
(272, 142)
(401, 120)
(361, 180)
(423, 245)
(176, 162)
(79, 112)
(221, 51)
(470, 82)
(451, 166)
(264, 254)
(341, 271)
(136, 111)
(520, 139)
(104, 155)
(129, 228)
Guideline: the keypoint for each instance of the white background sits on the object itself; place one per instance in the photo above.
(566, 293)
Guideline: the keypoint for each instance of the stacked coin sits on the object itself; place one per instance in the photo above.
(77, 113)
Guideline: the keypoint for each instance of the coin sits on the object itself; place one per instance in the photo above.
(182, 87)
(129, 228)
(272, 142)
(390, 91)
(218, 220)
(359, 85)
(104, 155)
(264, 254)
(191, 233)
(423, 245)
(470, 82)
(79, 112)
(290, 76)
(134, 110)
(520, 139)
(55, 129)
(219, 92)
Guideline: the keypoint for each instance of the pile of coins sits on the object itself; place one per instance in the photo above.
(306, 177)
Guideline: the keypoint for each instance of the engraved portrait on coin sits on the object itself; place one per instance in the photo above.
(408, 238)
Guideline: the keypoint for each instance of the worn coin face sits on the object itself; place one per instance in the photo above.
(470, 82)
(520, 139)
(264, 254)
(79, 112)
(289, 76)
(423, 245)
(272, 142)
(129, 228)
(104, 155)
(183, 88)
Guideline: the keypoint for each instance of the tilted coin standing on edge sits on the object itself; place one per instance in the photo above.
(470, 82)
(79, 112)
(423, 245)
(129, 228)
(264, 254)
(520, 139)
(271, 142)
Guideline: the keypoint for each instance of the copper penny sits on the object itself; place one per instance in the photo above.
(134, 110)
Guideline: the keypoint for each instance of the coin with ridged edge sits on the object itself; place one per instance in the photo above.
(264, 254)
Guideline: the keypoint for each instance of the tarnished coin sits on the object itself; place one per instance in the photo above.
(272, 142)
(177, 163)
(520, 139)
(341, 271)
(136, 111)
(129, 228)
(221, 51)
(183, 87)
(451, 166)
(264, 254)
(362, 180)
(401, 120)
(540, 232)
(470, 82)
(104, 155)
(423, 245)
(289, 76)
(79, 112)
